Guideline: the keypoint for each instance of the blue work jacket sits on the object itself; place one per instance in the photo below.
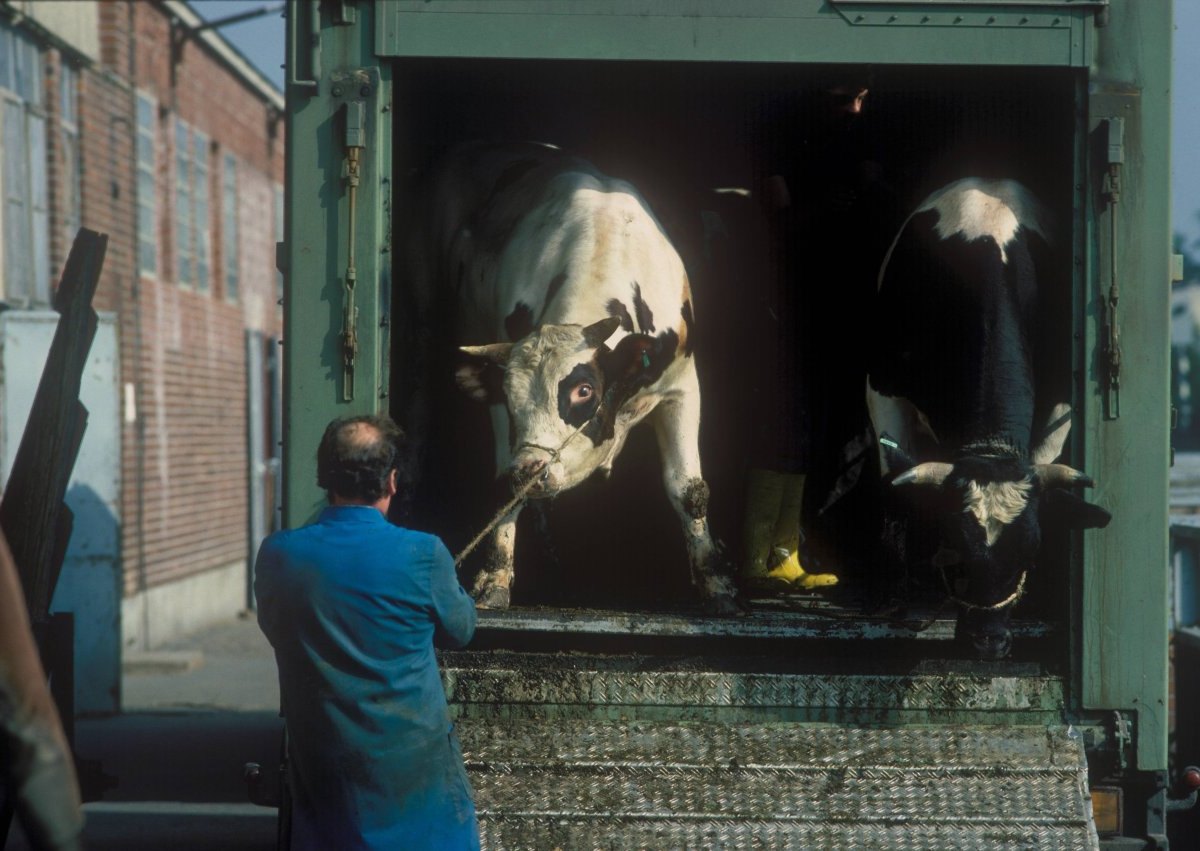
(353, 606)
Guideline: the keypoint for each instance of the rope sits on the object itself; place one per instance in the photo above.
(1007, 601)
(519, 496)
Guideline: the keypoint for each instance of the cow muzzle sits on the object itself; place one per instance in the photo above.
(988, 634)
(533, 472)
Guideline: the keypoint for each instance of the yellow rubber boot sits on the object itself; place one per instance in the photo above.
(784, 561)
(764, 492)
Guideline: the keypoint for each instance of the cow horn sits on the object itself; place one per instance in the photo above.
(1061, 476)
(598, 332)
(495, 352)
(930, 473)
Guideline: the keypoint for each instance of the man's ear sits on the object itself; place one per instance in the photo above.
(1065, 508)
(392, 486)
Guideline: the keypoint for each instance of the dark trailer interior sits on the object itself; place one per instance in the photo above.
(781, 286)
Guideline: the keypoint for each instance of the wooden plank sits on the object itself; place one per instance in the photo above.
(32, 512)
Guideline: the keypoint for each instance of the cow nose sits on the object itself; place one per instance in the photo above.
(525, 469)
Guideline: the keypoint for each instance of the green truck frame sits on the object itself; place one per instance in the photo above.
(345, 57)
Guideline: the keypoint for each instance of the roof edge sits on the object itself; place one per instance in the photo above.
(238, 63)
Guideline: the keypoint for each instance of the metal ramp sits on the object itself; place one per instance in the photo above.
(567, 751)
(588, 785)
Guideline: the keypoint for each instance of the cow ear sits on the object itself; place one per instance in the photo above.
(495, 352)
(598, 332)
(1067, 509)
(631, 358)
(481, 376)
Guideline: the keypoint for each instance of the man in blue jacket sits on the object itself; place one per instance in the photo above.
(353, 606)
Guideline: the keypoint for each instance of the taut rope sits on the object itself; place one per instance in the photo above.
(519, 496)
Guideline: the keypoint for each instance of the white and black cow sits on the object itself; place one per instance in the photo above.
(967, 392)
(581, 313)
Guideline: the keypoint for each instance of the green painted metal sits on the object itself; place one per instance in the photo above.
(747, 31)
(1125, 589)
(1120, 636)
(316, 233)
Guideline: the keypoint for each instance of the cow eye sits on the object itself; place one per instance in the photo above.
(581, 393)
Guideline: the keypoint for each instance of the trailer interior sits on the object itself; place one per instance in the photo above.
(781, 291)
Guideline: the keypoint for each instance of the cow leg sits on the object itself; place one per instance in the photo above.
(901, 422)
(677, 428)
(493, 586)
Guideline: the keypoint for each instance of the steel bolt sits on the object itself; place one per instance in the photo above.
(365, 91)
(337, 91)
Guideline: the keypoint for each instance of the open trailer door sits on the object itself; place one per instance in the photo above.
(601, 711)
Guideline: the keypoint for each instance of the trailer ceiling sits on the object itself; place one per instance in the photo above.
(1037, 33)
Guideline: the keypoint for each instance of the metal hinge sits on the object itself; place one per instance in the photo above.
(354, 88)
(1115, 129)
(1122, 737)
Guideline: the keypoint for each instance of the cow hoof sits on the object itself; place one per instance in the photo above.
(493, 597)
(727, 606)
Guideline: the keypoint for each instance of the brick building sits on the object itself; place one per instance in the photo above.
(126, 118)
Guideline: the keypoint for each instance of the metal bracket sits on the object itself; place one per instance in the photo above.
(344, 12)
(306, 85)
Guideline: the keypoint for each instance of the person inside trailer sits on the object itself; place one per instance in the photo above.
(353, 607)
(825, 195)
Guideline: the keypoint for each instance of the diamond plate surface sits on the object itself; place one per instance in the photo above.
(588, 785)
(587, 835)
(468, 682)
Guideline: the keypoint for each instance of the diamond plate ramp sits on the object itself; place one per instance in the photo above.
(585, 784)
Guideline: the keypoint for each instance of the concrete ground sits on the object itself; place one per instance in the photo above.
(194, 714)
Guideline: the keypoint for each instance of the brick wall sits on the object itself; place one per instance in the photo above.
(184, 456)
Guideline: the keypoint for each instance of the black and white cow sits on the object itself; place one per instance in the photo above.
(968, 396)
(581, 313)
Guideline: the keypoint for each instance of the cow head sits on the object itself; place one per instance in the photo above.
(569, 396)
(990, 510)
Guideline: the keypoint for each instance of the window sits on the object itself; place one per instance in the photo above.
(229, 226)
(24, 191)
(183, 204)
(193, 227)
(68, 116)
(203, 218)
(147, 219)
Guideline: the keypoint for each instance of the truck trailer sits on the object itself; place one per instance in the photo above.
(606, 708)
